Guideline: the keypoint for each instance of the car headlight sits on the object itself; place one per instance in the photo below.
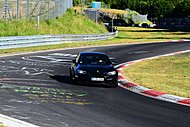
(81, 71)
(112, 73)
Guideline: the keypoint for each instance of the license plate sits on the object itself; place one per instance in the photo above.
(97, 79)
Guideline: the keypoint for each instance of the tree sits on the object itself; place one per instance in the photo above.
(182, 9)
(160, 8)
(119, 4)
(143, 7)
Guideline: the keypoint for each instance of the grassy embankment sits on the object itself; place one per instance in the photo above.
(70, 23)
(167, 74)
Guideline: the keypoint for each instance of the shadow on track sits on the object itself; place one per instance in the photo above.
(66, 79)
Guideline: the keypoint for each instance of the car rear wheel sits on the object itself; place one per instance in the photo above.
(72, 77)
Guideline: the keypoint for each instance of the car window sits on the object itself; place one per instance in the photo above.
(94, 59)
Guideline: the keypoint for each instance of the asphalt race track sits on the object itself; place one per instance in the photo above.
(36, 88)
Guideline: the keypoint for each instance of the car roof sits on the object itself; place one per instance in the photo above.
(96, 53)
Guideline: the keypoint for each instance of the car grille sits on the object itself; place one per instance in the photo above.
(97, 74)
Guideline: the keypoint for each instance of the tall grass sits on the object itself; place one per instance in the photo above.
(70, 23)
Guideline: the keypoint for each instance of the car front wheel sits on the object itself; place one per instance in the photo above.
(113, 84)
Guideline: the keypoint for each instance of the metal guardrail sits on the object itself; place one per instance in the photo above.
(29, 41)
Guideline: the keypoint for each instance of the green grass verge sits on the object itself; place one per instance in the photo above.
(126, 35)
(167, 74)
(70, 23)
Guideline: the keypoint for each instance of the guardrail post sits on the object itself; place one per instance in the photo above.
(39, 2)
(48, 9)
(81, 7)
(17, 9)
(27, 8)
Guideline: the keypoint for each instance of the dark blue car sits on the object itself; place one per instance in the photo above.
(94, 67)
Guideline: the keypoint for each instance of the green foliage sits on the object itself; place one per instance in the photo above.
(161, 8)
(143, 7)
(182, 9)
(154, 8)
(70, 23)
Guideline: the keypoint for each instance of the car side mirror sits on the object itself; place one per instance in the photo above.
(114, 63)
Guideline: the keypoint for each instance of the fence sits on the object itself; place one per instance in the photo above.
(45, 9)
(172, 22)
(96, 14)
(28, 41)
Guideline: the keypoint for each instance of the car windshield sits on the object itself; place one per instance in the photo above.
(94, 59)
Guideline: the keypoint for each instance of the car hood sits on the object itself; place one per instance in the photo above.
(91, 68)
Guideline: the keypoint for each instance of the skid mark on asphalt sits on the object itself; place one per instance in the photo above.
(26, 70)
(31, 63)
(36, 65)
(37, 71)
(139, 52)
(16, 111)
(19, 93)
(52, 58)
(50, 95)
(63, 55)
